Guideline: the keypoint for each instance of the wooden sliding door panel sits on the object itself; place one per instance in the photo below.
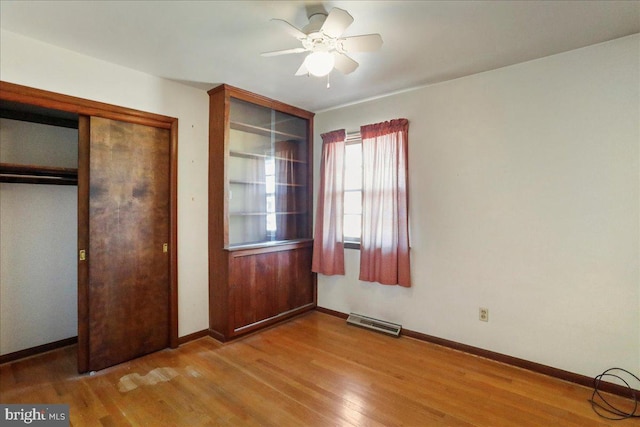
(129, 213)
(244, 287)
(254, 280)
(284, 283)
(303, 287)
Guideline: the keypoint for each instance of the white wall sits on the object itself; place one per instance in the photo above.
(524, 198)
(38, 235)
(32, 63)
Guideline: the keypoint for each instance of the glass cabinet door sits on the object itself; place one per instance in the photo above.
(267, 175)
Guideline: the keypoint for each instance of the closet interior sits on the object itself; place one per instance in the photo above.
(38, 226)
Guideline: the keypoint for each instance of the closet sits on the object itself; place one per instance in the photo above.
(124, 251)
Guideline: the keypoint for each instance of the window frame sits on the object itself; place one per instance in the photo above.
(352, 139)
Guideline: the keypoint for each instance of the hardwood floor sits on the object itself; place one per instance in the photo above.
(312, 371)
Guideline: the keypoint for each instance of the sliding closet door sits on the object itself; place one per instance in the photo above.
(124, 229)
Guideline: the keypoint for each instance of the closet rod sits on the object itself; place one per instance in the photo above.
(29, 174)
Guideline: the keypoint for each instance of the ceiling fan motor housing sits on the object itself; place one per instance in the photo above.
(315, 23)
(317, 40)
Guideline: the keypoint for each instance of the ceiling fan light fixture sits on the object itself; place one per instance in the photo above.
(320, 63)
(327, 48)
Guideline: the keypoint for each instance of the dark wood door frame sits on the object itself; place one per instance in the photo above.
(85, 107)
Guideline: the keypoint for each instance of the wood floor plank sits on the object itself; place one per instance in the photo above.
(312, 371)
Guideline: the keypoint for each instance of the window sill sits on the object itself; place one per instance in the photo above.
(351, 245)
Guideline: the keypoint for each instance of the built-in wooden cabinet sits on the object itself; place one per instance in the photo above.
(260, 211)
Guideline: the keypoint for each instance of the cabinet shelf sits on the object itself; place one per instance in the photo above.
(270, 245)
(32, 174)
(245, 127)
(279, 184)
(248, 155)
(266, 213)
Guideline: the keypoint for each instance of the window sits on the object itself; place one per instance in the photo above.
(363, 203)
(352, 227)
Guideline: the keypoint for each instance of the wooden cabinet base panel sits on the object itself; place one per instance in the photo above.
(275, 319)
(255, 327)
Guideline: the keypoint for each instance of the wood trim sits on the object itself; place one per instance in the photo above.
(173, 236)
(310, 154)
(25, 116)
(253, 98)
(81, 106)
(520, 363)
(217, 218)
(33, 351)
(503, 358)
(194, 336)
(217, 335)
(264, 325)
(273, 320)
(333, 313)
(84, 130)
(285, 245)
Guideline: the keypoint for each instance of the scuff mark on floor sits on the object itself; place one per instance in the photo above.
(132, 381)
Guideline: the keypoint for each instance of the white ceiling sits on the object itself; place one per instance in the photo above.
(204, 43)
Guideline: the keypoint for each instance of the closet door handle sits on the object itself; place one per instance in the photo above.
(165, 247)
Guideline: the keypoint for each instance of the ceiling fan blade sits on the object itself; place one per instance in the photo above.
(344, 64)
(295, 32)
(337, 21)
(302, 71)
(284, 52)
(364, 43)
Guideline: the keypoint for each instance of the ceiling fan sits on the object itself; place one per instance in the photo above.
(322, 38)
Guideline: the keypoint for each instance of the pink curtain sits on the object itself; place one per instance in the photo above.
(328, 248)
(384, 247)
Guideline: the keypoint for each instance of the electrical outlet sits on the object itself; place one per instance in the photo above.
(484, 314)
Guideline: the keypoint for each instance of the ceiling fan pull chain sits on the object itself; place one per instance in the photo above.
(328, 81)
